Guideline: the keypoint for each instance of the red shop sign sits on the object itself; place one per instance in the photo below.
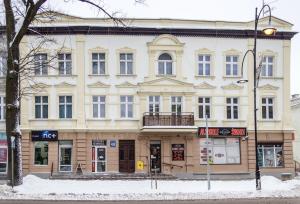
(222, 131)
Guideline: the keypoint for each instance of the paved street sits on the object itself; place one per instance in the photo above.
(229, 201)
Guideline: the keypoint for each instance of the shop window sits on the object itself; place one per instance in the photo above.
(99, 156)
(220, 150)
(270, 155)
(41, 153)
(177, 152)
(65, 156)
(3, 153)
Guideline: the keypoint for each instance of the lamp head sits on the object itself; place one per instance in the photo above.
(242, 81)
(269, 30)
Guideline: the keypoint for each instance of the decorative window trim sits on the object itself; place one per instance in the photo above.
(270, 53)
(41, 104)
(204, 104)
(232, 110)
(73, 105)
(174, 62)
(66, 50)
(273, 96)
(126, 107)
(232, 52)
(40, 60)
(126, 50)
(205, 51)
(99, 109)
(98, 50)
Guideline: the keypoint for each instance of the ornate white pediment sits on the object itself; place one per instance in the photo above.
(205, 85)
(232, 86)
(64, 85)
(166, 39)
(40, 86)
(126, 84)
(165, 81)
(98, 84)
(268, 87)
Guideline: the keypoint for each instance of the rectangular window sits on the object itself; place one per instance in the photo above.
(65, 156)
(154, 104)
(177, 152)
(41, 107)
(231, 65)
(176, 105)
(126, 106)
(64, 64)
(2, 66)
(204, 65)
(41, 153)
(40, 64)
(270, 155)
(267, 108)
(232, 108)
(126, 63)
(2, 108)
(65, 106)
(99, 106)
(204, 107)
(267, 66)
(220, 150)
(98, 63)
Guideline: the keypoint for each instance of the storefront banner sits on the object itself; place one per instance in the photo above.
(222, 131)
(44, 135)
(98, 142)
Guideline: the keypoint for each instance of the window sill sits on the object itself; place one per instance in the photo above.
(271, 77)
(234, 120)
(165, 75)
(204, 77)
(98, 75)
(203, 120)
(269, 120)
(232, 77)
(45, 76)
(53, 119)
(126, 119)
(126, 75)
(98, 119)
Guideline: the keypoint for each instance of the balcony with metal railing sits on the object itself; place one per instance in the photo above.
(168, 119)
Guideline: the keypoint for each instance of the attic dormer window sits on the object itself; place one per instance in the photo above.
(165, 64)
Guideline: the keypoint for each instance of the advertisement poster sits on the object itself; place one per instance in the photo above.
(178, 152)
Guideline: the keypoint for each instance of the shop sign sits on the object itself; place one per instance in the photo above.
(45, 135)
(140, 165)
(113, 143)
(98, 142)
(178, 152)
(222, 131)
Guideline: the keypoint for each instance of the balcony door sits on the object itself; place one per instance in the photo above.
(176, 108)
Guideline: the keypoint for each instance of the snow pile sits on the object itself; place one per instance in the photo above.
(37, 188)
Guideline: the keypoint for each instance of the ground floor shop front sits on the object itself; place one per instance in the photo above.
(175, 153)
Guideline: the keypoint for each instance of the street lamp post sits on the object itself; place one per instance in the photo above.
(267, 31)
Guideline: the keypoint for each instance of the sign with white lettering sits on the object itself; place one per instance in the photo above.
(44, 135)
(222, 131)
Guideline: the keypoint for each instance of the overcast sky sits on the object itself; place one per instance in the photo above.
(236, 10)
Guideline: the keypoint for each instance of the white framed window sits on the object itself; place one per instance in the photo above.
(176, 105)
(126, 106)
(64, 64)
(65, 155)
(267, 109)
(165, 64)
(232, 108)
(204, 105)
(65, 107)
(267, 66)
(204, 64)
(98, 63)
(220, 150)
(99, 106)
(154, 104)
(41, 153)
(2, 66)
(232, 65)
(2, 108)
(3, 153)
(270, 155)
(40, 64)
(99, 156)
(41, 106)
(126, 63)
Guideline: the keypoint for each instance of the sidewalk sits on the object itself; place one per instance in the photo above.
(37, 188)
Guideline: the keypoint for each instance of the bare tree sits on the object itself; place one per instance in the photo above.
(19, 15)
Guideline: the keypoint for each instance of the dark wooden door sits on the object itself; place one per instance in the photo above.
(155, 156)
(126, 156)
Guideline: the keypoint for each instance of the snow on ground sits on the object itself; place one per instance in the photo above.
(37, 188)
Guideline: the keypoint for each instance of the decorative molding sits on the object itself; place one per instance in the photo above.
(40, 86)
(205, 85)
(98, 84)
(268, 87)
(64, 85)
(232, 86)
(165, 39)
(163, 80)
(126, 84)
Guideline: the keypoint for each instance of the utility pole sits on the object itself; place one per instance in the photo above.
(207, 154)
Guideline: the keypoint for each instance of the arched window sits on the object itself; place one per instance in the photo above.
(165, 64)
